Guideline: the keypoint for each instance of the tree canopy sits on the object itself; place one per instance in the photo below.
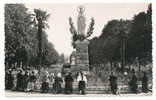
(138, 40)
(21, 42)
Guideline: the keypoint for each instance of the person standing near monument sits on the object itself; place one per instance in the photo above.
(133, 83)
(57, 84)
(68, 83)
(82, 81)
(32, 81)
(14, 76)
(8, 79)
(26, 80)
(145, 83)
(19, 80)
(45, 82)
(113, 83)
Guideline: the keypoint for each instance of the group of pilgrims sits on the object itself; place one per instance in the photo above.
(26, 81)
(132, 83)
(30, 80)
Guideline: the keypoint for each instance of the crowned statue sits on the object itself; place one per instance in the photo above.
(81, 21)
(80, 61)
(79, 34)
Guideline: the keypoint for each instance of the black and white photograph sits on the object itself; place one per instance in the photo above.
(78, 49)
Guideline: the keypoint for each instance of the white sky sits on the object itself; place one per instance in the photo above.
(59, 33)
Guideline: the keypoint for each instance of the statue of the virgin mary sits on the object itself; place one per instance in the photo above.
(81, 25)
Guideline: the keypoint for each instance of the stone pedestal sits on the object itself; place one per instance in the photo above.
(82, 57)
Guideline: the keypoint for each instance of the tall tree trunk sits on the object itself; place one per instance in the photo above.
(123, 54)
(39, 45)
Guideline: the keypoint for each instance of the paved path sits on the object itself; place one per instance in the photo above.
(13, 93)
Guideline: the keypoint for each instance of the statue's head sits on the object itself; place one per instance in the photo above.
(81, 10)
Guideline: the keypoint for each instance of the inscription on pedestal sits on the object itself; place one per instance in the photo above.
(82, 59)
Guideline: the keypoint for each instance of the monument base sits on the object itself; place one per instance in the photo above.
(82, 57)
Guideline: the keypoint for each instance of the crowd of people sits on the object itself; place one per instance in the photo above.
(20, 80)
(132, 84)
(26, 81)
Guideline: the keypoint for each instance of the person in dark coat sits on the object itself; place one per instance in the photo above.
(25, 80)
(133, 83)
(68, 84)
(45, 83)
(82, 81)
(145, 83)
(113, 83)
(8, 80)
(19, 81)
(57, 84)
(22, 80)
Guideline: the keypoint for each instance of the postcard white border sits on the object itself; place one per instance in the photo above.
(2, 92)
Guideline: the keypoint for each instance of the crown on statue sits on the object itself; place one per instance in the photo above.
(81, 9)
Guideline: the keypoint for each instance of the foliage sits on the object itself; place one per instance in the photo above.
(91, 28)
(139, 43)
(106, 47)
(41, 18)
(136, 34)
(21, 42)
(77, 36)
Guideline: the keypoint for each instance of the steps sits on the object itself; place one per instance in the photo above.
(95, 88)
(91, 88)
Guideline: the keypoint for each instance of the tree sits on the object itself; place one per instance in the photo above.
(21, 41)
(140, 40)
(41, 17)
(17, 25)
(113, 44)
(106, 47)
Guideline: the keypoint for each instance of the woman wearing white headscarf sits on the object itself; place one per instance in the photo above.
(82, 81)
(51, 78)
(32, 81)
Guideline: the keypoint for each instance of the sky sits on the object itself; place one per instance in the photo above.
(59, 33)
